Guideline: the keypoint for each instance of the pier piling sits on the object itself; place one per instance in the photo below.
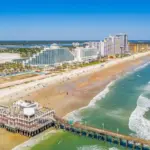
(104, 135)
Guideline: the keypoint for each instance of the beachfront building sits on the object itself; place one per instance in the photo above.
(55, 55)
(93, 44)
(50, 56)
(86, 53)
(26, 117)
(117, 44)
(99, 46)
(111, 45)
(102, 50)
(137, 46)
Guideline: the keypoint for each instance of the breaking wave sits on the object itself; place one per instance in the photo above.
(137, 122)
(76, 114)
(101, 95)
(142, 66)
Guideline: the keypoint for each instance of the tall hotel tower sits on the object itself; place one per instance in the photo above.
(117, 44)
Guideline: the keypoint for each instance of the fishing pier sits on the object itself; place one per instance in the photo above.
(103, 135)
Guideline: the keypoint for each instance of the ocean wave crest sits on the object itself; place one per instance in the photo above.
(98, 97)
(142, 66)
(137, 122)
(76, 115)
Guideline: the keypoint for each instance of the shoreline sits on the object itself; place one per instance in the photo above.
(82, 88)
(103, 92)
(98, 97)
(26, 88)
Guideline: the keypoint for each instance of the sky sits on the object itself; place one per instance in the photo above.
(73, 19)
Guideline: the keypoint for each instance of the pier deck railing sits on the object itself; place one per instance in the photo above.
(105, 135)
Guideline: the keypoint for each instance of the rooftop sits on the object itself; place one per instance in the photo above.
(23, 109)
(54, 46)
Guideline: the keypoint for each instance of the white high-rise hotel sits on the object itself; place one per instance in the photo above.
(113, 45)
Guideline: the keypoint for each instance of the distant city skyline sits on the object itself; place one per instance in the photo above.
(73, 20)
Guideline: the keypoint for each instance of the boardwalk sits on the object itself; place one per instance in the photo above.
(105, 135)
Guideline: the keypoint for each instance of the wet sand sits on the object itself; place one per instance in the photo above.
(72, 94)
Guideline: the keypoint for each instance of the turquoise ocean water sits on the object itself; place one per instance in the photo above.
(124, 104)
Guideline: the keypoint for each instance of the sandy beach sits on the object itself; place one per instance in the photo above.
(68, 94)
(75, 93)
(15, 90)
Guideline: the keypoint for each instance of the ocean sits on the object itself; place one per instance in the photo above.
(123, 106)
(41, 44)
(33, 44)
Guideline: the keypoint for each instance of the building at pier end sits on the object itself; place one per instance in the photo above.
(26, 117)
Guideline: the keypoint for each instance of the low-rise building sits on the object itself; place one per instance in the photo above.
(86, 53)
(135, 46)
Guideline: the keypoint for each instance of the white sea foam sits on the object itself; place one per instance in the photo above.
(98, 97)
(136, 69)
(76, 115)
(91, 147)
(137, 122)
(95, 147)
(142, 66)
(130, 72)
(113, 148)
(147, 88)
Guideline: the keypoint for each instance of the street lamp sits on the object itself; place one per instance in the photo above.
(117, 130)
(103, 125)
